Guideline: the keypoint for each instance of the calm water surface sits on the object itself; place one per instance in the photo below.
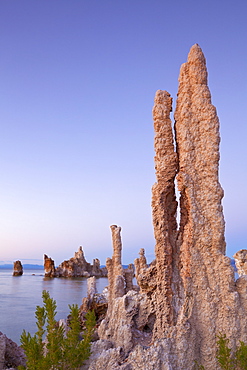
(19, 296)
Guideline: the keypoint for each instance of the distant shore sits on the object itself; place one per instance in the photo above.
(26, 266)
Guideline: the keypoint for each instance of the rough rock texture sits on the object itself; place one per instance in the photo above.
(18, 269)
(49, 266)
(241, 262)
(11, 355)
(129, 274)
(76, 266)
(114, 267)
(188, 295)
(140, 263)
(125, 305)
(164, 206)
(94, 301)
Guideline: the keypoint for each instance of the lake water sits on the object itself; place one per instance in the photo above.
(19, 296)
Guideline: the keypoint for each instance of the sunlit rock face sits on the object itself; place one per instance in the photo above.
(188, 294)
(18, 269)
(76, 266)
(49, 266)
(241, 262)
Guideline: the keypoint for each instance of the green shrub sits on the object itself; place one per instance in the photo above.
(58, 351)
(224, 353)
(227, 359)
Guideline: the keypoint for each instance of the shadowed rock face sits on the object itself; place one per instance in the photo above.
(11, 355)
(18, 269)
(188, 295)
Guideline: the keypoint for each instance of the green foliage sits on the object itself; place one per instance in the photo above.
(241, 356)
(198, 366)
(58, 351)
(224, 353)
(228, 359)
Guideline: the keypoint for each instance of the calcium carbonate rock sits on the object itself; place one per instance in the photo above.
(95, 301)
(188, 294)
(11, 355)
(49, 266)
(129, 319)
(76, 266)
(18, 269)
(241, 262)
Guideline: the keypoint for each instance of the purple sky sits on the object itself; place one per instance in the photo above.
(77, 83)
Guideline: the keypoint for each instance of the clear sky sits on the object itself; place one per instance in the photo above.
(77, 84)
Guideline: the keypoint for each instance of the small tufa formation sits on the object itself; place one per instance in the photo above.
(120, 279)
(241, 262)
(49, 266)
(94, 301)
(125, 305)
(114, 267)
(76, 266)
(18, 269)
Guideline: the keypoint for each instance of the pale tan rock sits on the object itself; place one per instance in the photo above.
(145, 275)
(91, 292)
(125, 305)
(116, 281)
(94, 301)
(188, 295)
(140, 263)
(164, 206)
(133, 311)
(18, 269)
(241, 262)
(129, 274)
(103, 356)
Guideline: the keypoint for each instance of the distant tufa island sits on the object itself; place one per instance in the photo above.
(76, 266)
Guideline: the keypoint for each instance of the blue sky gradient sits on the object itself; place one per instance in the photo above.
(77, 84)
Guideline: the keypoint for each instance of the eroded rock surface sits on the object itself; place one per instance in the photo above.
(241, 262)
(188, 294)
(94, 301)
(11, 355)
(76, 266)
(49, 266)
(18, 269)
(129, 313)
